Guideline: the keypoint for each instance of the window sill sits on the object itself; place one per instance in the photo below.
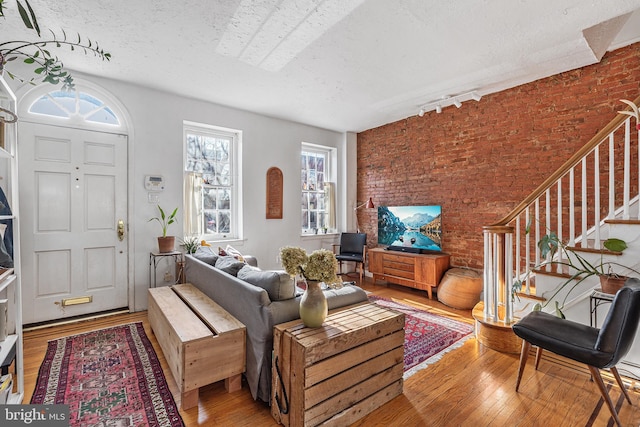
(320, 236)
(231, 241)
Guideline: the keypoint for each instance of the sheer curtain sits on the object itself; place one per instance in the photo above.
(330, 200)
(193, 220)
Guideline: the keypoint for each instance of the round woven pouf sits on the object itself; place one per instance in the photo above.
(460, 288)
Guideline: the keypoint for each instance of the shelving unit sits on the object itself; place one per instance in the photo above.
(10, 287)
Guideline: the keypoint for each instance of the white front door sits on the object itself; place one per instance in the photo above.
(73, 198)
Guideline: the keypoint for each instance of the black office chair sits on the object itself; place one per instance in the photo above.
(352, 248)
(597, 348)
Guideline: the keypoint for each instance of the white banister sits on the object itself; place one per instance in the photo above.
(596, 196)
(527, 249)
(612, 177)
(560, 223)
(572, 209)
(511, 245)
(583, 204)
(627, 171)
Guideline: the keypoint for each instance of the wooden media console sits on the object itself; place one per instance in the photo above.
(420, 271)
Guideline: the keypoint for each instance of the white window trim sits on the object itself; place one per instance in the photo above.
(331, 168)
(111, 102)
(236, 233)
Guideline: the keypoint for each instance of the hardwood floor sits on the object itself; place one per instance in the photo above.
(471, 386)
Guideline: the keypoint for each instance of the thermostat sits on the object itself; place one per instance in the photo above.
(154, 182)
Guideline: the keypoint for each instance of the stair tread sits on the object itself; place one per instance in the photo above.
(622, 221)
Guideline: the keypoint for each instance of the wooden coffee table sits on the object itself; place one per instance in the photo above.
(339, 372)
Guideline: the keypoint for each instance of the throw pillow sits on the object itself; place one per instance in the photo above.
(229, 265)
(231, 251)
(206, 256)
(278, 284)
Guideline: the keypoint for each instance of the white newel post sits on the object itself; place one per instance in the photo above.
(498, 273)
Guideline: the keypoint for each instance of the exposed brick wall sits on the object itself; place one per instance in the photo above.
(481, 160)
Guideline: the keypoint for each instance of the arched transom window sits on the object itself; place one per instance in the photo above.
(74, 105)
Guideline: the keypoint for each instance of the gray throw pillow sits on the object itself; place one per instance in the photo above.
(206, 256)
(278, 284)
(229, 265)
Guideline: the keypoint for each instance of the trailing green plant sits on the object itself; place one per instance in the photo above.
(190, 244)
(165, 220)
(38, 52)
(578, 266)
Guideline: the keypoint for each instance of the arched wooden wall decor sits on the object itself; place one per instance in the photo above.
(274, 193)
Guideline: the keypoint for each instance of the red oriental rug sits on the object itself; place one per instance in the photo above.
(107, 377)
(427, 336)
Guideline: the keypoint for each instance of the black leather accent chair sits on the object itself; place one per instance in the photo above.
(352, 248)
(597, 348)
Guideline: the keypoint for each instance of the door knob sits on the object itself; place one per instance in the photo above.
(120, 230)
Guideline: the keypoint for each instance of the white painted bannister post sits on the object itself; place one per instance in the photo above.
(498, 273)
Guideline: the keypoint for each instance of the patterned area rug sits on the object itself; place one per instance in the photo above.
(427, 336)
(109, 377)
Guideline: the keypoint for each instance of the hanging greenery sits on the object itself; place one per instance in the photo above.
(39, 52)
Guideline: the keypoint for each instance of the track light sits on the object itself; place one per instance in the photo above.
(447, 100)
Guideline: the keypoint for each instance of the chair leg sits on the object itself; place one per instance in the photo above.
(526, 346)
(595, 374)
(361, 271)
(538, 356)
(615, 373)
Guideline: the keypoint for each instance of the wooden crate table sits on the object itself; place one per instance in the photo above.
(200, 340)
(339, 372)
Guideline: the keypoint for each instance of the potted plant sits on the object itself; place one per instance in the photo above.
(165, 243)
(579, 267)
(39, 52)
(190, 244)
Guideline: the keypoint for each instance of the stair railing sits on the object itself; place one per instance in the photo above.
(569, 203)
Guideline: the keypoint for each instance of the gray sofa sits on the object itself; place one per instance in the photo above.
(270, 300)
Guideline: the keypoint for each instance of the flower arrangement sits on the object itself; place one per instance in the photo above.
(321, 265)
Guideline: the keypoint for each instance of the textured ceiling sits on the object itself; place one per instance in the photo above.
(346, 65)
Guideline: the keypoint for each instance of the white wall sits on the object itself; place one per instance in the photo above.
(156, 147)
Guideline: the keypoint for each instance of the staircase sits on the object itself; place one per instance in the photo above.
(591, 197)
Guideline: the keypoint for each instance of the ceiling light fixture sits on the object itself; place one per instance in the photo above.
(447, 100)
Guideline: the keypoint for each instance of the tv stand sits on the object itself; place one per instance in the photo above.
(415, 270)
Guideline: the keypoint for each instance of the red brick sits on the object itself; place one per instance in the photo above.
(481, 160)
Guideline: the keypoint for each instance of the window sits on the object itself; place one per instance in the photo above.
(68, 104)
(318, 188)
(212, 187)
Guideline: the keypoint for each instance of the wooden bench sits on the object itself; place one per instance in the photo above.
(338, 373)
(201, 342)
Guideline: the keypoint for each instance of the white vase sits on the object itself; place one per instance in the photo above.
(313, 305)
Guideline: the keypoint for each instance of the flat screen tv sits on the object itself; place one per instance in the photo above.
(416, 229)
